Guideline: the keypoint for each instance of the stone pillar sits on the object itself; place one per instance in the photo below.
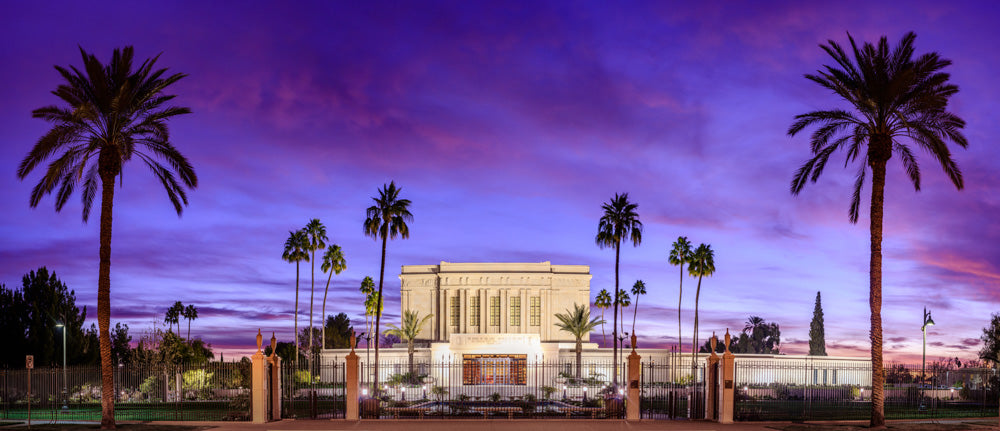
(258, 397)
(712, 381)
(351, 383)
(726, 405)
(275, 387)
(634, 370)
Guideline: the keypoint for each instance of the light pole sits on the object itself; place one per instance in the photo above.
(60, 325)
(923, 361)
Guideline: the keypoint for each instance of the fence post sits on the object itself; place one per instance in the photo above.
(351, 383)
(258, 408)
(712, 380)
(727, 405)
(632, 405)
(275, 387)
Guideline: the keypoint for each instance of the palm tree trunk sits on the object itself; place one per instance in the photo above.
(579, 355)
(694, 341)
(635, 310)
(322, 317)
(409, 352)
(604, 337)
(614, 324)
(104, 301)
(189, 330)
(680, 342)
(875, 294)
(312, 298)
(296, 314)
(378, 309)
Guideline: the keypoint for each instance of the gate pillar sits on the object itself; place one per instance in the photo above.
(351, 384)
(727, 404)
(634, 370)
(258, 395)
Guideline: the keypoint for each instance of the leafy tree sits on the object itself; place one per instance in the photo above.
(338, 331)
(28, 319)
(315, 240)
(603, 302)
(895, 100)
(386, 219)
(639, 288)
(388, 340)
(720, 346)
(701, 264)
(296, 247)
(333, 262)
(286, 351)
(579, 324)
(175, 350)
(619, 222)
(113, 114)
(817, 336)
(991, 341)
(409, 329)
(121, 350)
(190, 313)
(759, 337)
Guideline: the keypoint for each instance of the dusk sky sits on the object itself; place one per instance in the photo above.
(508, 124)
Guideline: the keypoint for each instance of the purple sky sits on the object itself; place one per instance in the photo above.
(508, 126)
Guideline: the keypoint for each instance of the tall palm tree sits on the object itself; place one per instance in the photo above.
(639, 288)
(114, 113)
(295, 252)
(174, 316)
(623, 302)
(680, 254)
(368, 289)
(190, 313)
(409, 329)
(620, 222)
(333, 262)
(895, 101)
(578, 323)
(702, 264)
(315, 240)
(384, 220)
(603, 302)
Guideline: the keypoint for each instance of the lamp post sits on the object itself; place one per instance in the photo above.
(621, 350)
(923, 361)
(63, 326)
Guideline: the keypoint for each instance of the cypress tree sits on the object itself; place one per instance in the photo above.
(817, 338)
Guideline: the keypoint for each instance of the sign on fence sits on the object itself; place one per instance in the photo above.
(29, 362)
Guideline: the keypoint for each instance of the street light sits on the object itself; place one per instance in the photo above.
(60, 325)
(923, 362)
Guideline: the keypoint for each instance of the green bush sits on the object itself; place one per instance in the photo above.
(152, 388)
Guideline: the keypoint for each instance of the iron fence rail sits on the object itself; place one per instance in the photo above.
(841, 390)
(209, 392)
(672, 392)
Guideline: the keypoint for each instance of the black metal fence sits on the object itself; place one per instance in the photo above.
(209, 392)
(316, 392)
(672, 392)
(841, 390)
(491, 386)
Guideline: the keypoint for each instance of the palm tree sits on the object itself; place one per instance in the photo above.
(333, 262)
(639, 288)
(895, 100)
(368, 289)
(295, 252)
(603, 302)
(408, 331)
(315, 240)
(173, 316)
(623, 301)
(701, 264)
(679, 255)
(620, 222)
(190, 313)
(114, 114)
(386, 219)
(579, 324)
